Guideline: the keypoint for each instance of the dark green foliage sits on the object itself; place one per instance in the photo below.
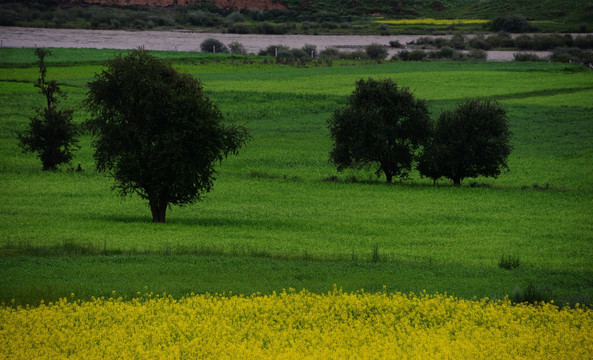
(329, 53)
(511, 23)
(376, 52)
(470, 141)
(212, 45)
(572, 55)
(382, 125)
(51, 133)
(310, 50)
(156, 132)
(526, 57)
(416, 55)
(276, 50)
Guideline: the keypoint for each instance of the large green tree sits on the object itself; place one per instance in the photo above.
(469, 141)
(380, 125)
(156, 132)
(51, 133)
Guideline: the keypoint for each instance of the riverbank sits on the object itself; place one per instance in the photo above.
(191, 40)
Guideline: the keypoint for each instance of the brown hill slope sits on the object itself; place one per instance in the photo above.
(223, 4)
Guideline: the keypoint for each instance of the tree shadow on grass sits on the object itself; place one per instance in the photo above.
(198, 221)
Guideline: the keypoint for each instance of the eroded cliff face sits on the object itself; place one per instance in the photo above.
(223, 4)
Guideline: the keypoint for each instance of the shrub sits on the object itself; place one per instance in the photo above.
(444, 53)
(234, 17)
(212, 45)
(457, 42)
(584, 42)
(310, 50)
(476, 54)
(402, 55)
(239, 28)
(355, 55)
(236, 47)
(547, 42)
(479, 42)
(524, 42)
(416, 55)
(395, 44)
(526, 57)
(510, 23)
(274, 50)
(329, 53)
(202, 18)
(376, 52)
(566, 55)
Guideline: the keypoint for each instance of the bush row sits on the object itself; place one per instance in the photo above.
(503, 40)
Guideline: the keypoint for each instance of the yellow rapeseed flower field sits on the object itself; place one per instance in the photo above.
(429, 21)
(295, 325)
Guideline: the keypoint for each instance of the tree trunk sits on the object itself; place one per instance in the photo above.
(159, 212)
(456, 182)
(389, 177)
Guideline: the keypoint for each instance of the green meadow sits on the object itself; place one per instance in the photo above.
(280, 216)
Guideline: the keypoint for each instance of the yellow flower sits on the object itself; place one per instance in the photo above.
(295, 325)
(433, 21)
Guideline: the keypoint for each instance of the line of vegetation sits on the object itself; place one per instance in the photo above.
(313, 17)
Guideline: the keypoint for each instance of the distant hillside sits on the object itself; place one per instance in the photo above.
(536, 9)
(580, 10)
(222, 4)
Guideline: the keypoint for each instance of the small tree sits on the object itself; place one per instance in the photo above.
(376, 52)
(212, 45)
(51, 133)
(381, 124)
(156, 132)
(470, 141)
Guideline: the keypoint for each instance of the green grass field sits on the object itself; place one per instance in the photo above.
(277, 216)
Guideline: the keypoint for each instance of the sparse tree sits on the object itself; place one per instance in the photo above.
(470, 141)
(381, 125)
(51, 133)
(156, 132)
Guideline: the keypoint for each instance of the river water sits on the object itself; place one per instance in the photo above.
(182, 40)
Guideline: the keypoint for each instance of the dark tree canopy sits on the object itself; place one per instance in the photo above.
(381, 125)
(470, 141)
(156, 132)
(51, 133)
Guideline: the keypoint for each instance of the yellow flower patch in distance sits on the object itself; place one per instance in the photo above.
(429, 21)
(295, 325)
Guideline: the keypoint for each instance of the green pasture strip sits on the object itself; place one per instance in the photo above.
(30, 279)
(430, 85)
(65, 57)
(279, 204)
(322, 219)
